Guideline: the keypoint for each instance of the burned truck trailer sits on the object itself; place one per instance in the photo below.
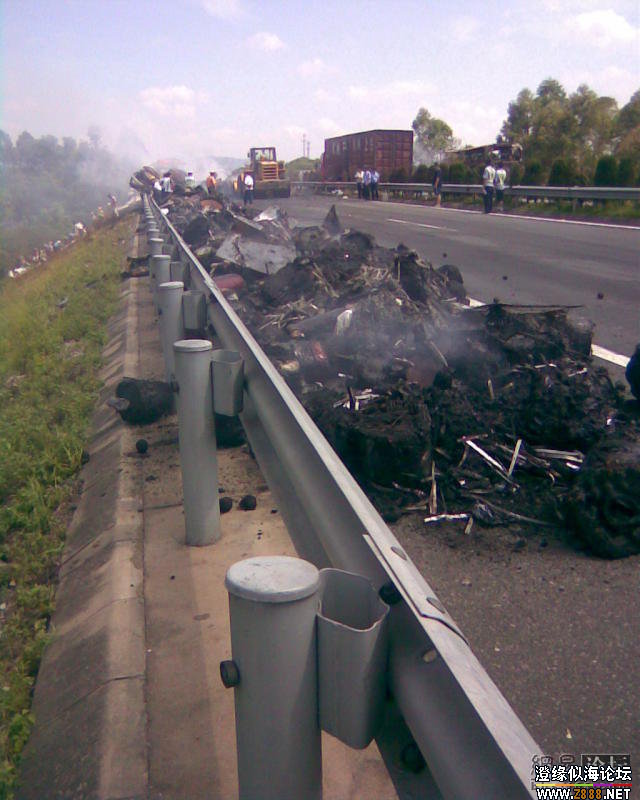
(388, 151)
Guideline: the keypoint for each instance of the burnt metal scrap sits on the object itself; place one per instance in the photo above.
(492, 415)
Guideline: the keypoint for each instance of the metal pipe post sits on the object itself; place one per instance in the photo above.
(273, 603)
(171, 324)
(159, 273)
(197, 437)
(155, 245)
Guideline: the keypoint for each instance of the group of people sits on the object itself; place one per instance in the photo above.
(367, 183)
(493, 180)
(493, 183)
(163, 187)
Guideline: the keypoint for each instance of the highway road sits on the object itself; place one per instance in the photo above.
(528, 261)
(557, 629)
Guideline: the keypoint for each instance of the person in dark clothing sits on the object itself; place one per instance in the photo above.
(632, 373)
(437, 184)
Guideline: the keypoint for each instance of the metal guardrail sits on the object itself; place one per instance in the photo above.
(471, 739)
(546, 192)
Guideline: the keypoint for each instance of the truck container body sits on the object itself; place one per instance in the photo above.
(388, 151)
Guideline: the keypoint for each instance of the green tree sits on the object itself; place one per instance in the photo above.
(629, 116)
(563, 172)
(533, 174)
(551, 91)
(594, 117)
(459, 173)
(47, 186)
(421, 174)
(519, 123)
(580, 128)
(606, 171)
(432, 137)
(515, 175)
(626, 172)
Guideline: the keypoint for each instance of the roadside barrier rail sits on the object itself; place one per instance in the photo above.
(472, 741)
(533, 192)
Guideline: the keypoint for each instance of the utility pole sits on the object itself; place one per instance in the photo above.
(304, 144)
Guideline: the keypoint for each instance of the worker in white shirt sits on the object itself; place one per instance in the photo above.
(499, 182)
(488, 176)
(166, 184)
(375, 179)
(366, 183)
(248, 189)
(358, 178)
(190, 181)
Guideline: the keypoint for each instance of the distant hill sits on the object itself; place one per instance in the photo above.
(299, 164)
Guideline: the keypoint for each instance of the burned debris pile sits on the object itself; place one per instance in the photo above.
(491, 415)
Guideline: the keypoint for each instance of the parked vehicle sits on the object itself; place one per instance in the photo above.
(268, 174)
(388, 151)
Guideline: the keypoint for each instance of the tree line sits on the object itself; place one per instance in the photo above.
(49, 184)
(577, 139)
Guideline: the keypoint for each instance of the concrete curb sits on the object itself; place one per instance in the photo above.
(89, 740)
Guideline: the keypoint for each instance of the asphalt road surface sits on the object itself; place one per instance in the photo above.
(557, 630)
(527, 261)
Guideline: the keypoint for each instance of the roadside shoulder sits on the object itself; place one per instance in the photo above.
(89, 739)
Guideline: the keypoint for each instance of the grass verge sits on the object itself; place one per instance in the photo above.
(52, 331)
(616, 211)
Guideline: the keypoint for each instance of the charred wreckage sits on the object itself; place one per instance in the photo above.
(489, 415)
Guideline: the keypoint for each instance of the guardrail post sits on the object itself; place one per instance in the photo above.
(159, 273)
(171, 327)
(197, 439)
(272, 605)
(155, 245)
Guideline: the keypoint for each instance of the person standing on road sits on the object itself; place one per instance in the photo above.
(248, 190)
(437, 184)
(358, 178)
(488, 176)
(499, 182)
(375, 177)
(366, 183)
(211, 183)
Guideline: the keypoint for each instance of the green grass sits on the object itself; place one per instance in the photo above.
(50, 356)
(620, 210)
(601, 210)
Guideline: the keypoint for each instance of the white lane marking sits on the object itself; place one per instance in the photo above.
(567, 221)
(459, 210)
(596, 350)
(609, 355)
(422, 225)
(635, 228)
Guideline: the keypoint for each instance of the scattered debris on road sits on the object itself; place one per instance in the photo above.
(488, 415)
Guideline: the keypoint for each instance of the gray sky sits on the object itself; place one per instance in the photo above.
(192, 78)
